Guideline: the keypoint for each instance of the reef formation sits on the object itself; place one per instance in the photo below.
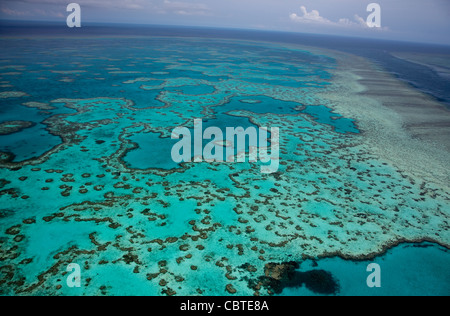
(104, 193)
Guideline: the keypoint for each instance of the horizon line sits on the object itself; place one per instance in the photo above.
(224, 28)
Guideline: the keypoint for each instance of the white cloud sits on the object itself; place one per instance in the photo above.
(309, 17)
(314, 17)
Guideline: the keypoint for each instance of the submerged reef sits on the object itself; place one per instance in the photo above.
(39, 105)
(199, 228)
(13, 127)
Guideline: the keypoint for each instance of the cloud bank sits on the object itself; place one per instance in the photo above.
(315, 18)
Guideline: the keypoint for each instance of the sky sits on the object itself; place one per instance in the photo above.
(406, 20)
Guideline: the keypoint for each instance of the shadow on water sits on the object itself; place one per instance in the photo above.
(280, 276)
(318, 281)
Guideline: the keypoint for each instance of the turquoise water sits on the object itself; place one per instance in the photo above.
(92, 181)
(70, 74)
(261, 104)
(324, 115)
(152, 150)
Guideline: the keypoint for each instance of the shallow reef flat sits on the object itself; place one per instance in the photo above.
(13, 127)
(11, 94)
(349, 184)
(400, 124)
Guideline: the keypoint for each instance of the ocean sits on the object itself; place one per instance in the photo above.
(86, 175)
